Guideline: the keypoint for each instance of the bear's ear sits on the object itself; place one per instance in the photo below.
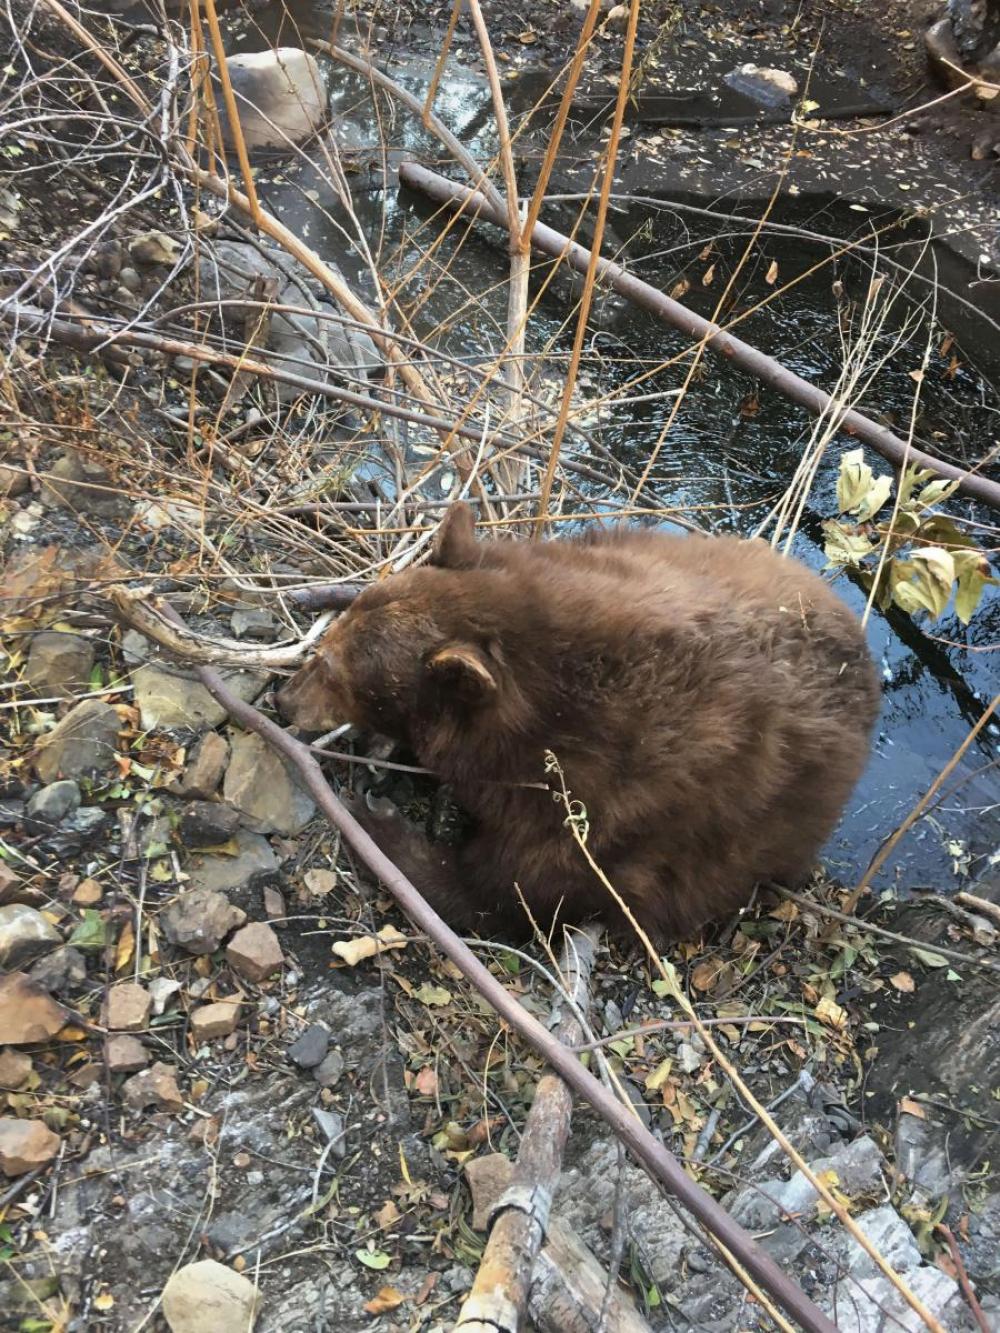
(463, 669)
(455, 545)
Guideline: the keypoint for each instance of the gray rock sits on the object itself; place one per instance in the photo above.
(264, 788)
(922, 1156)
(858, 1167)
(890, 1235)
(78, 483)
(77, 830)
(331, 1125)
(768, 87)
(24, 934)
(130, 280)
(308, 1050)
(875, 1306)
(281, 95)
(254, 623)
(14, 480)
(330, 1070)
(108, 260)
(167, 698)
(62, 972)
(48, 807)
(83, 744)
(254, 860)
(208, 824)
(59, 664)
(203, 771)
(200, 919)
(232, 271)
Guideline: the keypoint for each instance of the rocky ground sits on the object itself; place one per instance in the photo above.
(219, 1085)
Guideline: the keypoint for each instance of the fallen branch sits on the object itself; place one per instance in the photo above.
(661, 1164)
(155, 619)
(520, 1217)
(733, 349)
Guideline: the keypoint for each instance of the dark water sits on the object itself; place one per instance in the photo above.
(735, 444)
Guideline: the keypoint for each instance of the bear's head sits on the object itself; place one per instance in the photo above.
(406, 648)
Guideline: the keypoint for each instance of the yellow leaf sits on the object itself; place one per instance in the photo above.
(657, 1079)
(829, 1012)
(104, 1301)
(125, 947)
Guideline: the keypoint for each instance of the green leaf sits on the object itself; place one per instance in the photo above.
(927, 957)
(377, 1259)
(510, 963)
(91, 933)
(432, 995)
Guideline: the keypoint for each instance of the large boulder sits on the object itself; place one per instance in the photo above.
(281, 97)
(234, 272)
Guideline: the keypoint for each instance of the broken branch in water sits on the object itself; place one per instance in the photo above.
(741, 354)
(661, 1164)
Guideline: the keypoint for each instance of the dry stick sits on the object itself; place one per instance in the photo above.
(660, 1164)
(890, 844)
(499, 1295)
(96, 335)
(741, 354)
(428, 112)
(981, 905)
(963, 1278)
(229, 97)
(520, 250)
(559, 125)
(593, 258)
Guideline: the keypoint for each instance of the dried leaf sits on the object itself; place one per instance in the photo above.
(435, 996)
(924, 581)
(125, 948)
(831, 1014)
(903, 982)
(771, 276)
(680, 289)
(388, 1298)
(705, 976)
(658, 1078)
(844, 547)
(708, 277)
(388, 1215)
(426, 1082)
(907, 1106)
(320, 882)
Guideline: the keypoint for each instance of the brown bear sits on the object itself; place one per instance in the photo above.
(710, 704)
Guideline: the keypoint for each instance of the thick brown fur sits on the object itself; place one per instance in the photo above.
(710, 703)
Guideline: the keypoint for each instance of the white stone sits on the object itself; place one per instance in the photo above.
(208, 1297)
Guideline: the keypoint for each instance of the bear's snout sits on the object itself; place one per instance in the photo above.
(306, 700)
